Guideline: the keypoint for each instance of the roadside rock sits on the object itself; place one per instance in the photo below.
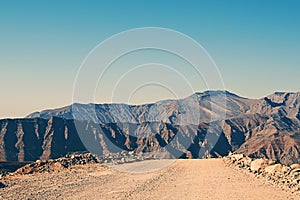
(258, 164)
(285, 169)
(78, 158)
(295, 166)
(282, 176)
(273, 168)
(238, 156)
(58, 164)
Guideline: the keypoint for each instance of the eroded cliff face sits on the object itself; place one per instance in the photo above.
(32, 139)
(267, 127)
(276, 138)
(256, 136)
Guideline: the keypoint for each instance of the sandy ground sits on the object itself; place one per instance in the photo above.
(182, 179)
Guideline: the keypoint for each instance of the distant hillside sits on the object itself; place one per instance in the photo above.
(267, 127)
(212, 105)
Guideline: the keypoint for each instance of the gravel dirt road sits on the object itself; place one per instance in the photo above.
(182, 179)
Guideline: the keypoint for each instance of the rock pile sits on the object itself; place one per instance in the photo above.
(285, 177)
(58, 164)
(81, 159)
(126, 157)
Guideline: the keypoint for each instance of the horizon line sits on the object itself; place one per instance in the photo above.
(146, 103)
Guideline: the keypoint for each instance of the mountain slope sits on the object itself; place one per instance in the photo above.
(32, 139)
(257, 136)
(263, 136)
(200, 107)
(267, 127)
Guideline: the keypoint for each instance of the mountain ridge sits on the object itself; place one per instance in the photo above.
(34, 114)
(267, 127)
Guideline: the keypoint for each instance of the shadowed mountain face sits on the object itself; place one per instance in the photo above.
(32, 139)
(267, 127)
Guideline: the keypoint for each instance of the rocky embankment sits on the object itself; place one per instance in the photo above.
(71, 160)
(57, 164)
(282, 176)
(41, 166)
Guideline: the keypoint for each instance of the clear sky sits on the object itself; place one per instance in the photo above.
(255, 44)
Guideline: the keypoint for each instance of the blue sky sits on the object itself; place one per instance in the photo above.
(255, 44)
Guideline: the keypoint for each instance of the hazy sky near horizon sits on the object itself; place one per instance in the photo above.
(255, 44)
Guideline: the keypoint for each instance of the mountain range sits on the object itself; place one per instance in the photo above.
(208, 124)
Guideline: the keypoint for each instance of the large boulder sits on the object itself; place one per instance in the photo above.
(285, 169)
(273, 168)
(295, 166)
(258, 164)
(247, 161)
(238, 156)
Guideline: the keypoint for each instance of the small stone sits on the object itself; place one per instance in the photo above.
(57, 165)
